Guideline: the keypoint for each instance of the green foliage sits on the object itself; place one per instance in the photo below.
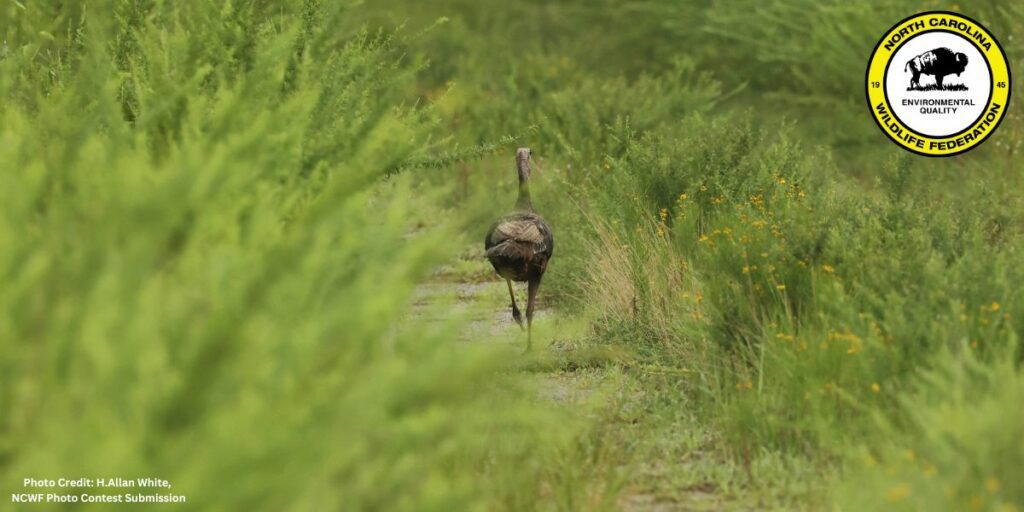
(803, 290)
(960, 448)
(806, 306)
(203, 271)
(215, 214)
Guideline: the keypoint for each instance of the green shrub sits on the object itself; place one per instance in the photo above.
(204, 272)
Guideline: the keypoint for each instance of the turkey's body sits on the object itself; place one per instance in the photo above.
(519, 246)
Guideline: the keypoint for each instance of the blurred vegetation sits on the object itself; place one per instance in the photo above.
(203, 268)
(215, 214)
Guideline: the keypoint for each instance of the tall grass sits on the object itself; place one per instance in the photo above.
(215, 213)
(204, 271)
(738, 217)
(816, 317)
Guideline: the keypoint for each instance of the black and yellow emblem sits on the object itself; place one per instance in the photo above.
(938, 83)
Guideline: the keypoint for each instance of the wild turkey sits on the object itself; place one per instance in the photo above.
(519, 246)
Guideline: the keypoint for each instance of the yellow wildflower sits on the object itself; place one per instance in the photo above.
(898, 492)
(875, 388)
(992, 484)
(855, 347)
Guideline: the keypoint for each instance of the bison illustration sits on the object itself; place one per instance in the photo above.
(938, 62)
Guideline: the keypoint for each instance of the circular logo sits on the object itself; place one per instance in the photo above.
(938, 83)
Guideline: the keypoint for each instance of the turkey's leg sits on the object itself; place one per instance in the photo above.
(530, 301)
(515, 310)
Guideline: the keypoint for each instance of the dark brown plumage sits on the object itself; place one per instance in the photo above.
(519, 245)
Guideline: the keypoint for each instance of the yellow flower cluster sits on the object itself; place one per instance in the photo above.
(855, 344)
(757, 201)
(663, 222)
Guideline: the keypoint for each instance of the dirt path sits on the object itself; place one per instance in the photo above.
(630, 462)
(484, 304)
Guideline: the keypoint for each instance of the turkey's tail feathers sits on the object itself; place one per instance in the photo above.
(512, 249)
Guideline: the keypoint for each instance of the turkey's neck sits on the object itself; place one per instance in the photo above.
(524, 203)
(523, 169)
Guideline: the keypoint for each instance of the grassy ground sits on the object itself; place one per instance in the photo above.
(251, 232)
(641, 448)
